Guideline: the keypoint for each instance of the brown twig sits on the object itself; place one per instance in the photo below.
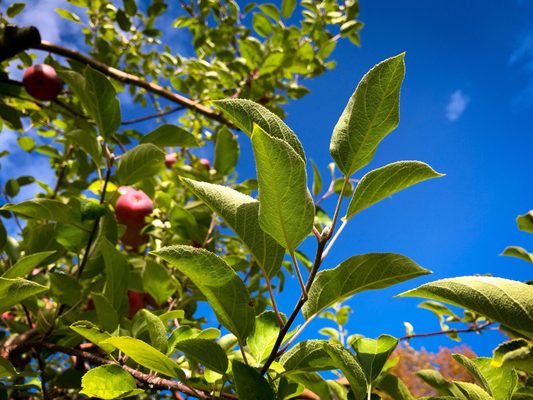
(151, 380)
(152, 116)
(131, 79)
(473, 328)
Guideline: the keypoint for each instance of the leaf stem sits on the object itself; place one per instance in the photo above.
(299, 275)
(272, 298)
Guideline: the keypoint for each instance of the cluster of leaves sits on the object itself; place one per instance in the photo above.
(67, 282)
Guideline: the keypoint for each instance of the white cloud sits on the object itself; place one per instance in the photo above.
(456, 105)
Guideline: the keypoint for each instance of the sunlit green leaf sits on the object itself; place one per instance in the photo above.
(145, 355)
(241, 213)
(370, 115)
(109, 382)
(170, 135)
(141, 162)
(222, 287)
(286, 209)
(503, 300)
(386, 181)
(356, 274)
(206, 352)
(14, 291)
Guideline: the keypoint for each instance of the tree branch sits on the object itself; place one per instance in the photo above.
(130, 79)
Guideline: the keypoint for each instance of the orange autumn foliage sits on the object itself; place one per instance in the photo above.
(412, 360)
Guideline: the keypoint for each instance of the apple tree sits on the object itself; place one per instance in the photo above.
(107, 271)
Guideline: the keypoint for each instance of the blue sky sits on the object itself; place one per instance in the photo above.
(466, 109)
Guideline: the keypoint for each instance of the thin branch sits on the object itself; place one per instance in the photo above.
(152, 116)
(296, 334)
(131, 79)
(473, 328)
(62, 169)
(151, 380)
(285, 329)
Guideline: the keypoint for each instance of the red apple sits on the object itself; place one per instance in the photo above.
(135, 301)
(170, 159)
(132, 207)
(41, 82)
(133, 237)
(205, 162)
(8, 315)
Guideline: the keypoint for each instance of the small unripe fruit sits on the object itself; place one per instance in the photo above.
(170, 159)
(41, 82)
(205, 162)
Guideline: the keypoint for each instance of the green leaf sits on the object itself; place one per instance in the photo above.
(370, 115)
(262, 24)
(145, 355)
(434, 379)
(474, 371)
(26, 143)
(88, 142)
(502, 300)
(218, 282)
(321, 355)
(525, 222)
(15, 9)
(356, 274)
(109, 382)
(170, 135)
(386, 181)
(226, 151)
(93, 334)
(395, 388)
(286, 209)
(351, 369)
(65, 288)
(373, 354)
(130, 7)
(241, 213)
(501, 381)
(250, 384)
(472, 391)
(141, 162)
(317, 180)
(516, 353)
(158, 282)
(116, 274)
(518, 252)
(271, 10)
(68, 15)
(262, 340)
(206, 352)
(105, 108)
(7, 369)
(309, 355)
(156, 330)
(98, 97)
(3, 236)
(244, 113)
(287, 8)
(47, 209)
(14, 291)
(105, 312)
(26, 264)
